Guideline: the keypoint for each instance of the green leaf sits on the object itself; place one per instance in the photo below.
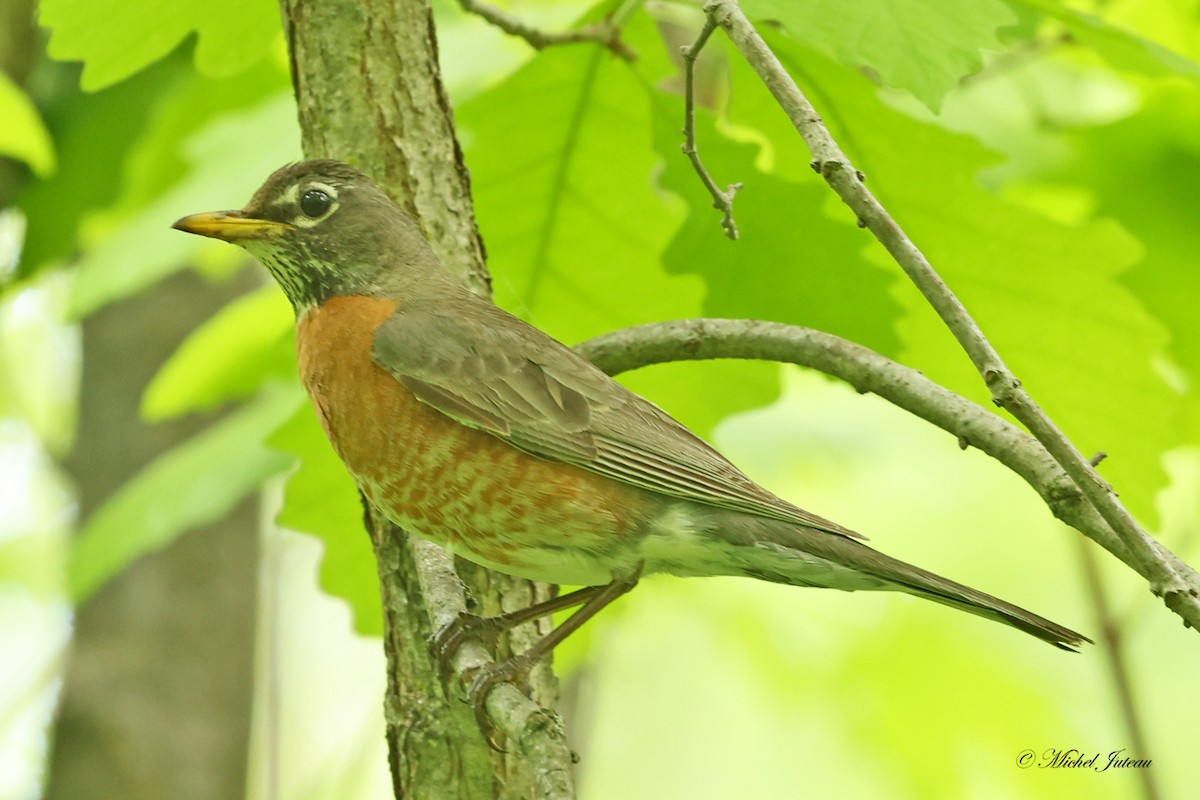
(193, 485)
(89, 166)
(563, 161)
(1121, 48)
(160, 157)
(147, 121)
(911, 44)
(792, 262)
(39, 368)
(702, 394)
(1143, 171)
(230, 356)
(562, 164)
(116, 38)
(23, 136)
(230, 157)
(1048, 295)
(321, 499)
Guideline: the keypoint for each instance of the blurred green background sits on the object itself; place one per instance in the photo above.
(1044, 155)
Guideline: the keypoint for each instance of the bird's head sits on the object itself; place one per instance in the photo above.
(324, 229)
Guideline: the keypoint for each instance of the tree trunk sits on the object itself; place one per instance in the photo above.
(369, 92)
(157, 691)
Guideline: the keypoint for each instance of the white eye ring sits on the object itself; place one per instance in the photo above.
(316, 201)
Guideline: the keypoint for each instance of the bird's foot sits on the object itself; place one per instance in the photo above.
(514, 670)
(445, 644)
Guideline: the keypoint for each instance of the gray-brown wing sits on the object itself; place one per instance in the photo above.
(489, 370)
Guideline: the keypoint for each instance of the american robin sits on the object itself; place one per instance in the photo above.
(469, 427)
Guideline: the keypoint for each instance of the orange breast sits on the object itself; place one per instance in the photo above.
(458, 486)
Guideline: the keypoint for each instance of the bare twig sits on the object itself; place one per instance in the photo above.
(605, 32)
(867, 371)
(722, 200)
(1111, 642)
(1170, 579)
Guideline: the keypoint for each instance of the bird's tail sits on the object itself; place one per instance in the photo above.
(922, 583)
(810, 557)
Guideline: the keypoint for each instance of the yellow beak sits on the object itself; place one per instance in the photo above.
(230, 226)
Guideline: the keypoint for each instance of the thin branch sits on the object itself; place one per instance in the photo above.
(1111, 642)
(1170, 579)
(537, 732)
(867, 371)
(605, 33)
(722, 200)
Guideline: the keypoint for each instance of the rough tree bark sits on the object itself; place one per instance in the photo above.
(369, 92)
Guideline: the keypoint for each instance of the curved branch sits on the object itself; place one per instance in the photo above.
(867, 371)
(604, 33)
(1175, 582)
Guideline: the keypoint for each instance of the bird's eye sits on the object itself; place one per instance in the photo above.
(315, 203)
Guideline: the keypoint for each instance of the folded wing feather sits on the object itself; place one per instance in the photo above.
(489, 370)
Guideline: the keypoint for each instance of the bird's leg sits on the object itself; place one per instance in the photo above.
(593, 599)
(446, 642)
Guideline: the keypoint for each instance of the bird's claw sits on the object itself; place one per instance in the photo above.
(514, 670)
(445, 644)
